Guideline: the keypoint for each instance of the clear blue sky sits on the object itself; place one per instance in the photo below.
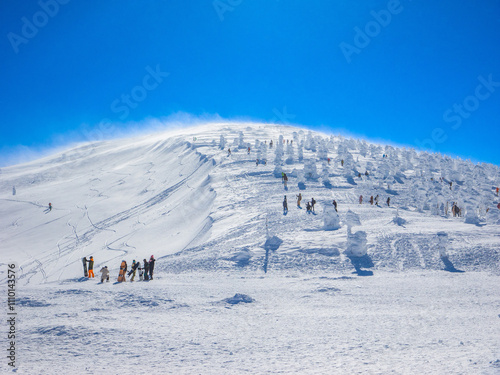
(419, 73)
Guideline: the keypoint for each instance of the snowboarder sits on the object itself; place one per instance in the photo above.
(104, 274)
(123, 270)
(335, 205)
(146, 270)
(371, 200)
(388, 201)
(133, 269)
(299, 198)
(313, 202)
(285, 205)
(91, 267)
(308, 207)
(360, 199)
(84, 261)
(152, 261)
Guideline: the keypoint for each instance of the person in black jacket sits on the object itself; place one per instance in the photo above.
(146, 270)
(152, 261)
(91, 267)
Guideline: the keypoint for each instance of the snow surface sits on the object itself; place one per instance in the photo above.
(213, 220)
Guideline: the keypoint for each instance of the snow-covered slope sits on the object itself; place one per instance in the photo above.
(180, 197)
(214, 221)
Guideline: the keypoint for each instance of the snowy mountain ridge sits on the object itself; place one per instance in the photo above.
(181, 196)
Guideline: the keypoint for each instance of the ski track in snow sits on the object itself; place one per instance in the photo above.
(203, 215)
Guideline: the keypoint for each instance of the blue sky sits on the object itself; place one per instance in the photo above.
(424, 74)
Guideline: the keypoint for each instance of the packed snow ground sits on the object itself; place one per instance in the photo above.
(430, 306)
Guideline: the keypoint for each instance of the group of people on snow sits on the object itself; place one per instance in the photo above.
(145, 268)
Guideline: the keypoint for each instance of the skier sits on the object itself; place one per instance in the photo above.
(328, 160)
(388, 201)
(104, 274)
(497, 192)
(360, 199)
(91, 267)
(152, 261)
(228, 152)
(146, 270)
(14, 190)
(248, 151)
(257, 162)
(313, 202)
(366, 173)
(50, 206)
(271, 144)
(299, 198)
(342, 162)
(285, 179)
(376, 200)
(335, 205)
(371, 200)
(359, 175)
(133, 269)
(282, 176)
(285, 205)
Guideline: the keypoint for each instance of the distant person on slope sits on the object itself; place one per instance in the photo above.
(497, 191)
(299, 198)
(388, 201)
(360, 199)
(91, 267)
(313, 202)
(104, 274)
(335, 205)
(151, 267)
(376, 200)
(285, 205)
(50, 206)
(308, 207)
(371, 200)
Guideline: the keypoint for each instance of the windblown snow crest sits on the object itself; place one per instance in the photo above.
(112, 200)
